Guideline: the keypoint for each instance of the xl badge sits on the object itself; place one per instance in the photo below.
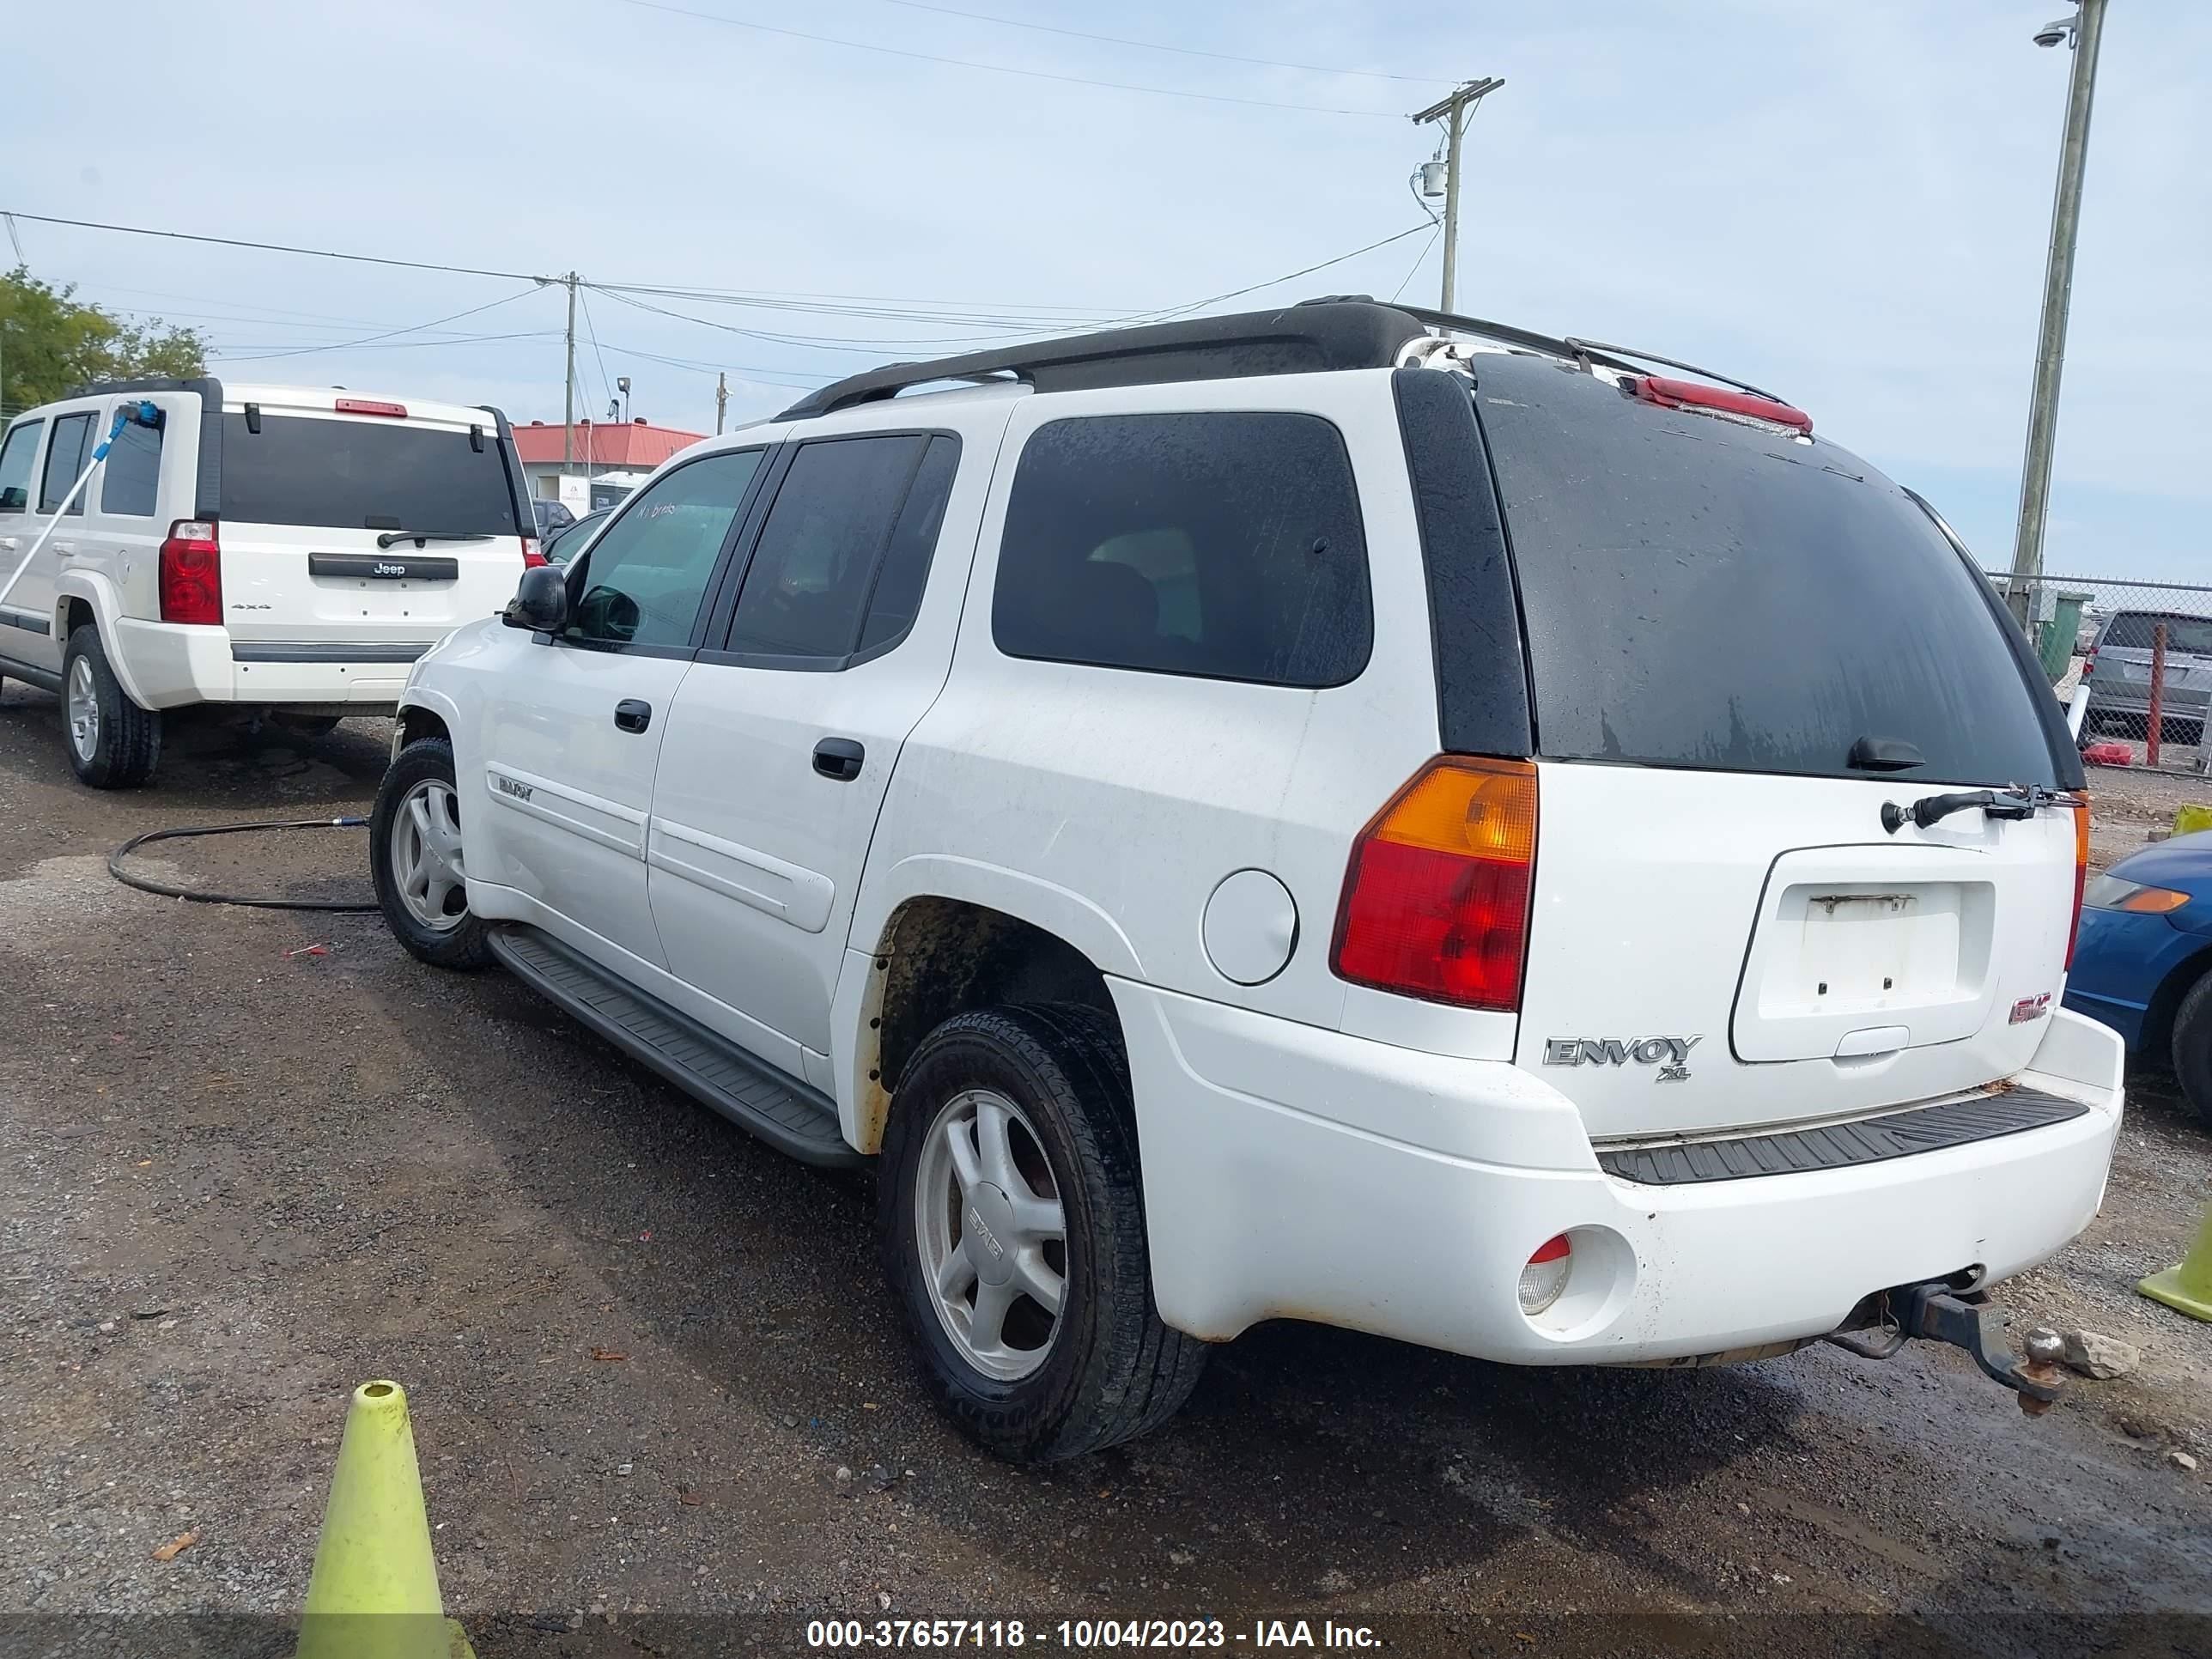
(1671, 1055)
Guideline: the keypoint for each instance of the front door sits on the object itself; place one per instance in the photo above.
(782, 740)
(573, 728)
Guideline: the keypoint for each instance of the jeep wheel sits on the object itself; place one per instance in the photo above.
(415, 852)
(113, 743)
(1013, 1232)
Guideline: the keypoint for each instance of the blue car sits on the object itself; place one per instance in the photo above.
(2142, 964)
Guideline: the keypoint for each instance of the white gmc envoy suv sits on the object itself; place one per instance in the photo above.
(1346, 813)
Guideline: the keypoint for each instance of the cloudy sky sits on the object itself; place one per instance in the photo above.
(1846, 201)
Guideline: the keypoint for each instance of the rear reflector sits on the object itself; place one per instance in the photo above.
(1545, 1278)
(1436, 901)
(2080, 874)
(370, 406)
(1695, 394)
(190, 579)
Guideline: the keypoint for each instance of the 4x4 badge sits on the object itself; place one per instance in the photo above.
(1670, 1054)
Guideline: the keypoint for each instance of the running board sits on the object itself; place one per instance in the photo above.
(781, 1110)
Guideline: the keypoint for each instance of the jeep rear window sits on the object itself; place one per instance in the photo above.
(1701, 593)
(366, 474)
(2136, 631)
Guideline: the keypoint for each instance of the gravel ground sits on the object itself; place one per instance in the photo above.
(663, 1406)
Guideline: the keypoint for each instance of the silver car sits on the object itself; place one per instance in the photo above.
(2119, 675)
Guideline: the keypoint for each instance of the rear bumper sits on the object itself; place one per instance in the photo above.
(1291, 1172)
(171, 665)
(2176, 703)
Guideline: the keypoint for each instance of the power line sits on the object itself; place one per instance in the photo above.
(1420, 259)
(1157, 45)
(606, 386)
(280, 247)
(1275, 282)
(999, 68)
(371, 339)
(244, 355)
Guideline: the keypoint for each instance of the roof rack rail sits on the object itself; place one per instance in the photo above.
(1289, 340)
(1335, 332)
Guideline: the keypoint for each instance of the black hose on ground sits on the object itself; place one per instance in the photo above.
(147, 885)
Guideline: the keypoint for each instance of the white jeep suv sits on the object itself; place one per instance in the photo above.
(1295, 815)
(287, 550)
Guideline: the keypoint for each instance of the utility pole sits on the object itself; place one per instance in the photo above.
(2082, 31)
(1453, 111)
(568, 386)
(721, 400)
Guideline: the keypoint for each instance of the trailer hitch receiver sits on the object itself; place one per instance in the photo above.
(1938, 1313)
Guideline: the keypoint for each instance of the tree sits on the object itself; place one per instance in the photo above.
(49, 343)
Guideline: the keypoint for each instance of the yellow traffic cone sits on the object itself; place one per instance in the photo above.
(2187, 1286)
(374, 1593)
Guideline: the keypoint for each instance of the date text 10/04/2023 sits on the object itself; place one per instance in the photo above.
(1082, 1635)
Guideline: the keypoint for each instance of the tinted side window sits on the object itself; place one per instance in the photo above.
(641, 581)
(855, 519)
(1227, 545)
(65, 459)
(132, 478)
(16, 457)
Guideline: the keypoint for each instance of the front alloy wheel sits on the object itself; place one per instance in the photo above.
(426, 856)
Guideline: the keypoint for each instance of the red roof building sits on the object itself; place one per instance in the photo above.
(604, 445)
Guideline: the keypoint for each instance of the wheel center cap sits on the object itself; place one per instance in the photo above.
(987, 1232)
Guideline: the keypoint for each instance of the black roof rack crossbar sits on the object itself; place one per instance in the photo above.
(1290, 340)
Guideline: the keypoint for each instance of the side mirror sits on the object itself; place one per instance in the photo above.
(541, 602)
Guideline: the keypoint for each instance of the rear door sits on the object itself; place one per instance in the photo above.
(782, 741)
(1734, 634)
(364, 524)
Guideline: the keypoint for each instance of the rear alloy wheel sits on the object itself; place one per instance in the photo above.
(416, 855)
(113, 743)
(1011, 1224)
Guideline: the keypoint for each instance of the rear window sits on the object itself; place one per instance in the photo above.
(2136, 631)
(1700, 593)
(366, 475)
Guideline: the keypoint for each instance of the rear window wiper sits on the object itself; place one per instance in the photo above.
(392, 538)
(2020, 801)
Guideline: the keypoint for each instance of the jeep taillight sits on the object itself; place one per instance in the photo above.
(2080, 873)
(531, 558)
(192, 573)
(1435, 902)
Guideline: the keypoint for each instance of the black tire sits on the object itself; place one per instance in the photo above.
(1113, 1371)
(2192, 1047)
(126, 747)
(463, 945)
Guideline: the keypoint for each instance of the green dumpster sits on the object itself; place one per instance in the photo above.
(2056, 637)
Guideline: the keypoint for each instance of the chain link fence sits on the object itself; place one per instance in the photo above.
(2145, 651)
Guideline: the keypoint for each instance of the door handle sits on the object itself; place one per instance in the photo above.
(839, 758)
(632, 715)
(65, 549)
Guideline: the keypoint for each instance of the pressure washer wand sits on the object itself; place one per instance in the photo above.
(145, 414)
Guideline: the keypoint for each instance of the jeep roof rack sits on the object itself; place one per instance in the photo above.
(1336, 332)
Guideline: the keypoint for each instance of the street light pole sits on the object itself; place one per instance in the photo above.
(1452, 111)
(2083, 30)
